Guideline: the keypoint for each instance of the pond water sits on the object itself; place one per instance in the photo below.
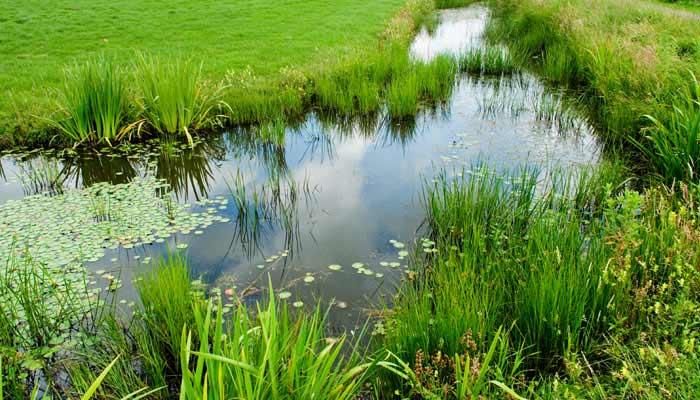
(336, 193)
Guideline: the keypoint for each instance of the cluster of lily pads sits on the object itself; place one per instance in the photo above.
(80, 225)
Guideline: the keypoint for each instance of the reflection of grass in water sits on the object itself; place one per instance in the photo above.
(272, 205)
(242, 142)
(557, 113)
(88, 170)
(189, 169)
(41, 175)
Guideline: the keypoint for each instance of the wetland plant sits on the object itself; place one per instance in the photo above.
(672, 145)
(268, 354)
(490, 60)
(176, 101)
(510, 254)
(95, 103)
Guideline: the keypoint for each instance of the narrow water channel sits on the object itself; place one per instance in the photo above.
(340, 194)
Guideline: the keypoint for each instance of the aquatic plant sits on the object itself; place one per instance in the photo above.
(268, 355)
(175, 98)
(96, 104)
(79, 225)
(489, 60)
(43, 313)
(501, 262)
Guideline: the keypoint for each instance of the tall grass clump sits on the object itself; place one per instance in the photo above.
(490, 60)
(403, 96)
(168, 300)
(672, 145)
(268, 354)
(349, 91)
(511, 254)
(144, 350)
(175, 98)
(96, 104)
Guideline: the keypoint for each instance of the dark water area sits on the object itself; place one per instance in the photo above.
(333, 193)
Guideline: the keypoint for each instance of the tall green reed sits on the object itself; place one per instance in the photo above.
(95, 101)
(175, 98)
(510, 252)
(268, 355)
(672, 144)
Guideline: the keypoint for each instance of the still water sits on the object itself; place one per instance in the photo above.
(335, 193)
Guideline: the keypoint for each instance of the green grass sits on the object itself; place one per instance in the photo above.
(628, 59)
(95, 102)
(592, 287)
(261, 42)
(270, 355)
(490, 60)
(334, 70)
(175, 100)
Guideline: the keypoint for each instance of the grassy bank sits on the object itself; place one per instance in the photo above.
(634, 63)
(230, 38)
(554, 292)
(105, 96)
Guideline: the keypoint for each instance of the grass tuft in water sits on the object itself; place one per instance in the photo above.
(491, 60)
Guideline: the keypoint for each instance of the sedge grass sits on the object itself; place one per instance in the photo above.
(271, 355)
(95, 103)
(175, 98)
(509, 254)
(672, 146)
(490, 60)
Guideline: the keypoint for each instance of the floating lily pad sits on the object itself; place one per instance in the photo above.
(284, 295)
(335, 267)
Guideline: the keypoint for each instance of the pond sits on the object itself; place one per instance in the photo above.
(332, 213)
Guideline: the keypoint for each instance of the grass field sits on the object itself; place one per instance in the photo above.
(38, 40)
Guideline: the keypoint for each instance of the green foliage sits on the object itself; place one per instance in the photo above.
(95, 103)
(628, 59)
(672, 146)
(168, 303)
(491, 60)
(42, 314)
(268, 355)
(175, 99)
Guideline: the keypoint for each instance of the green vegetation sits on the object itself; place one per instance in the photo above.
(528, 284)
(179, 342)
(587, 292)
(96, 103)
(230, 38)
(174, 97)
(170, 96)
(490, 60)
(629, 59)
